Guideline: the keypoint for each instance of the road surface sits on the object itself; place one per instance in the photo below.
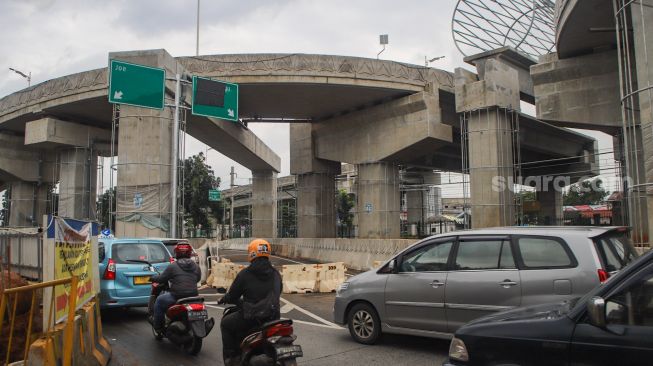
(323, 342)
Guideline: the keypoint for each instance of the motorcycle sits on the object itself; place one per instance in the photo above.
(271, 344)
(186, 322)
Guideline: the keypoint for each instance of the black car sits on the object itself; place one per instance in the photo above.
(611, 325)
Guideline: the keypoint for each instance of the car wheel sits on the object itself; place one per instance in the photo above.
(364, 324)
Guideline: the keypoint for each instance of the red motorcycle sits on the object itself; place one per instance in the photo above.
(271, 344)
(186, 322)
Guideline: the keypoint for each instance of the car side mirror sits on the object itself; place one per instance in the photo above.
(596, 311)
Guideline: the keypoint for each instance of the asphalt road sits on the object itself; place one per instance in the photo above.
(323, 342)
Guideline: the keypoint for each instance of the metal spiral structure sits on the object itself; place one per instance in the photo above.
(482, 25)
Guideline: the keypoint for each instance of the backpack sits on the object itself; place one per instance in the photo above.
(267, 308)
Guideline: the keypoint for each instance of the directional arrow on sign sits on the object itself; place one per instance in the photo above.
(117, 94)
(230, 112)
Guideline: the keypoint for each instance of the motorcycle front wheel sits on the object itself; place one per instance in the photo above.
(193, 347)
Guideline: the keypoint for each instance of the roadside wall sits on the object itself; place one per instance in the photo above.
(359, 254)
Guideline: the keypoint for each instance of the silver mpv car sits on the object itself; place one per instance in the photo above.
(442, 282)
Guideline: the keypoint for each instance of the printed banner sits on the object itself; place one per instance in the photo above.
(72, 257)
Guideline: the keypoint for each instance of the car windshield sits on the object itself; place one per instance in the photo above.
(151, 252)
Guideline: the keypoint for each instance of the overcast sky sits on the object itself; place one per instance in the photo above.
(52, 38)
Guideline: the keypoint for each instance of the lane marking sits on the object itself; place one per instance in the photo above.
(314, 316)
(290, 306)
(286, 259)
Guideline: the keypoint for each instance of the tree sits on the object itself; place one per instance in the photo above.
(345, 202)
(4, 209)
(199, 178)
(104, 212)
(587, 192)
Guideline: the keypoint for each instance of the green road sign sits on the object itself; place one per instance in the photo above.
(136, 85)
(214, 195)
(212, 98)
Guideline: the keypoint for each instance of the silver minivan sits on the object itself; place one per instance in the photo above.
(442, 282)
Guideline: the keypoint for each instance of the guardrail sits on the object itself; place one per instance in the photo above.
(18, 294)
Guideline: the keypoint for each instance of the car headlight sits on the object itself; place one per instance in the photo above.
(458, 351)
(342, 287)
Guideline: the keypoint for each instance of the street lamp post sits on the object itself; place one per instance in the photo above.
(27, 76)
(427, 61)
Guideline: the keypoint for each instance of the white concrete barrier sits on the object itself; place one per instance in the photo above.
(359, 254)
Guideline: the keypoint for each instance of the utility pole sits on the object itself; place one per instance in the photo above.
(175, 158)
(231, 207)
(197, 40)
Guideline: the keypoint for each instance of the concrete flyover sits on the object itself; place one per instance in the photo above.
(373, 113)
(599, 78)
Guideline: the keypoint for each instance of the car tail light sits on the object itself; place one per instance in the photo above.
(282, 330)
(172, 259)
(603, 275)
(110, 271)
(195, 307)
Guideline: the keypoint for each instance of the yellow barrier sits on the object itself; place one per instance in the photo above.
(224, 274)
(330, 276)
(48, 334)
(299, 279)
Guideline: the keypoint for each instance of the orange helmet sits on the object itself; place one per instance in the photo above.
(258, 248)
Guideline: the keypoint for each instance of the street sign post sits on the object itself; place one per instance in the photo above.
(214, 195)
(213, 98)
(136, 85)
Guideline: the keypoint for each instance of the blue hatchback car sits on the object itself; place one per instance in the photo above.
(124, 283)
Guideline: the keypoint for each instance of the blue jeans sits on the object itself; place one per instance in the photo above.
(163, 302)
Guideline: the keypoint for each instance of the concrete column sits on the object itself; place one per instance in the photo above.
(264, 204)
(143, 200)
(642, 22)
(316, 206)
(551, 211)
(28, 204)
(77, 183)
(415, 202)
(378, 203)
(491, 161)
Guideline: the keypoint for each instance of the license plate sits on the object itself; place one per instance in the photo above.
(198, 315)
(284, 352)
(142, 280)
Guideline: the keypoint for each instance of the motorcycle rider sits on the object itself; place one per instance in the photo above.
(183, 276)
(260, 287)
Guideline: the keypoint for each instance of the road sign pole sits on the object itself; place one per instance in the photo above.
(175, 159)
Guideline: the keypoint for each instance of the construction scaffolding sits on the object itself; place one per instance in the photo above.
(634, 22)
(491, 157)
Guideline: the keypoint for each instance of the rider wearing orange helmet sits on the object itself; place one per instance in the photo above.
(259, 286)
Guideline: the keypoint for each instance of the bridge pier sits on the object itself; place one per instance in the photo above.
(378, 203)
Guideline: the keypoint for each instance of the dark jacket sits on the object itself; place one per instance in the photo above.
(254, 283)
(183, 276)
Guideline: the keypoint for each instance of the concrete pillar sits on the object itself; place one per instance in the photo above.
(642, 23)
(551, 211)
(316, 206)
(143, 200)
(491, 161)
(415, 204)
(264, 204)
(378, 199)
(77, 183)
(28, 204)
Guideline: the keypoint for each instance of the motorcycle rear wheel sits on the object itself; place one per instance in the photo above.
(288, 362)
(194, 346)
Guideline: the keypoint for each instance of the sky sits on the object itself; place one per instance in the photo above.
(50, 38)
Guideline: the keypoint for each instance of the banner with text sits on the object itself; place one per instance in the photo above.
(72, 257)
